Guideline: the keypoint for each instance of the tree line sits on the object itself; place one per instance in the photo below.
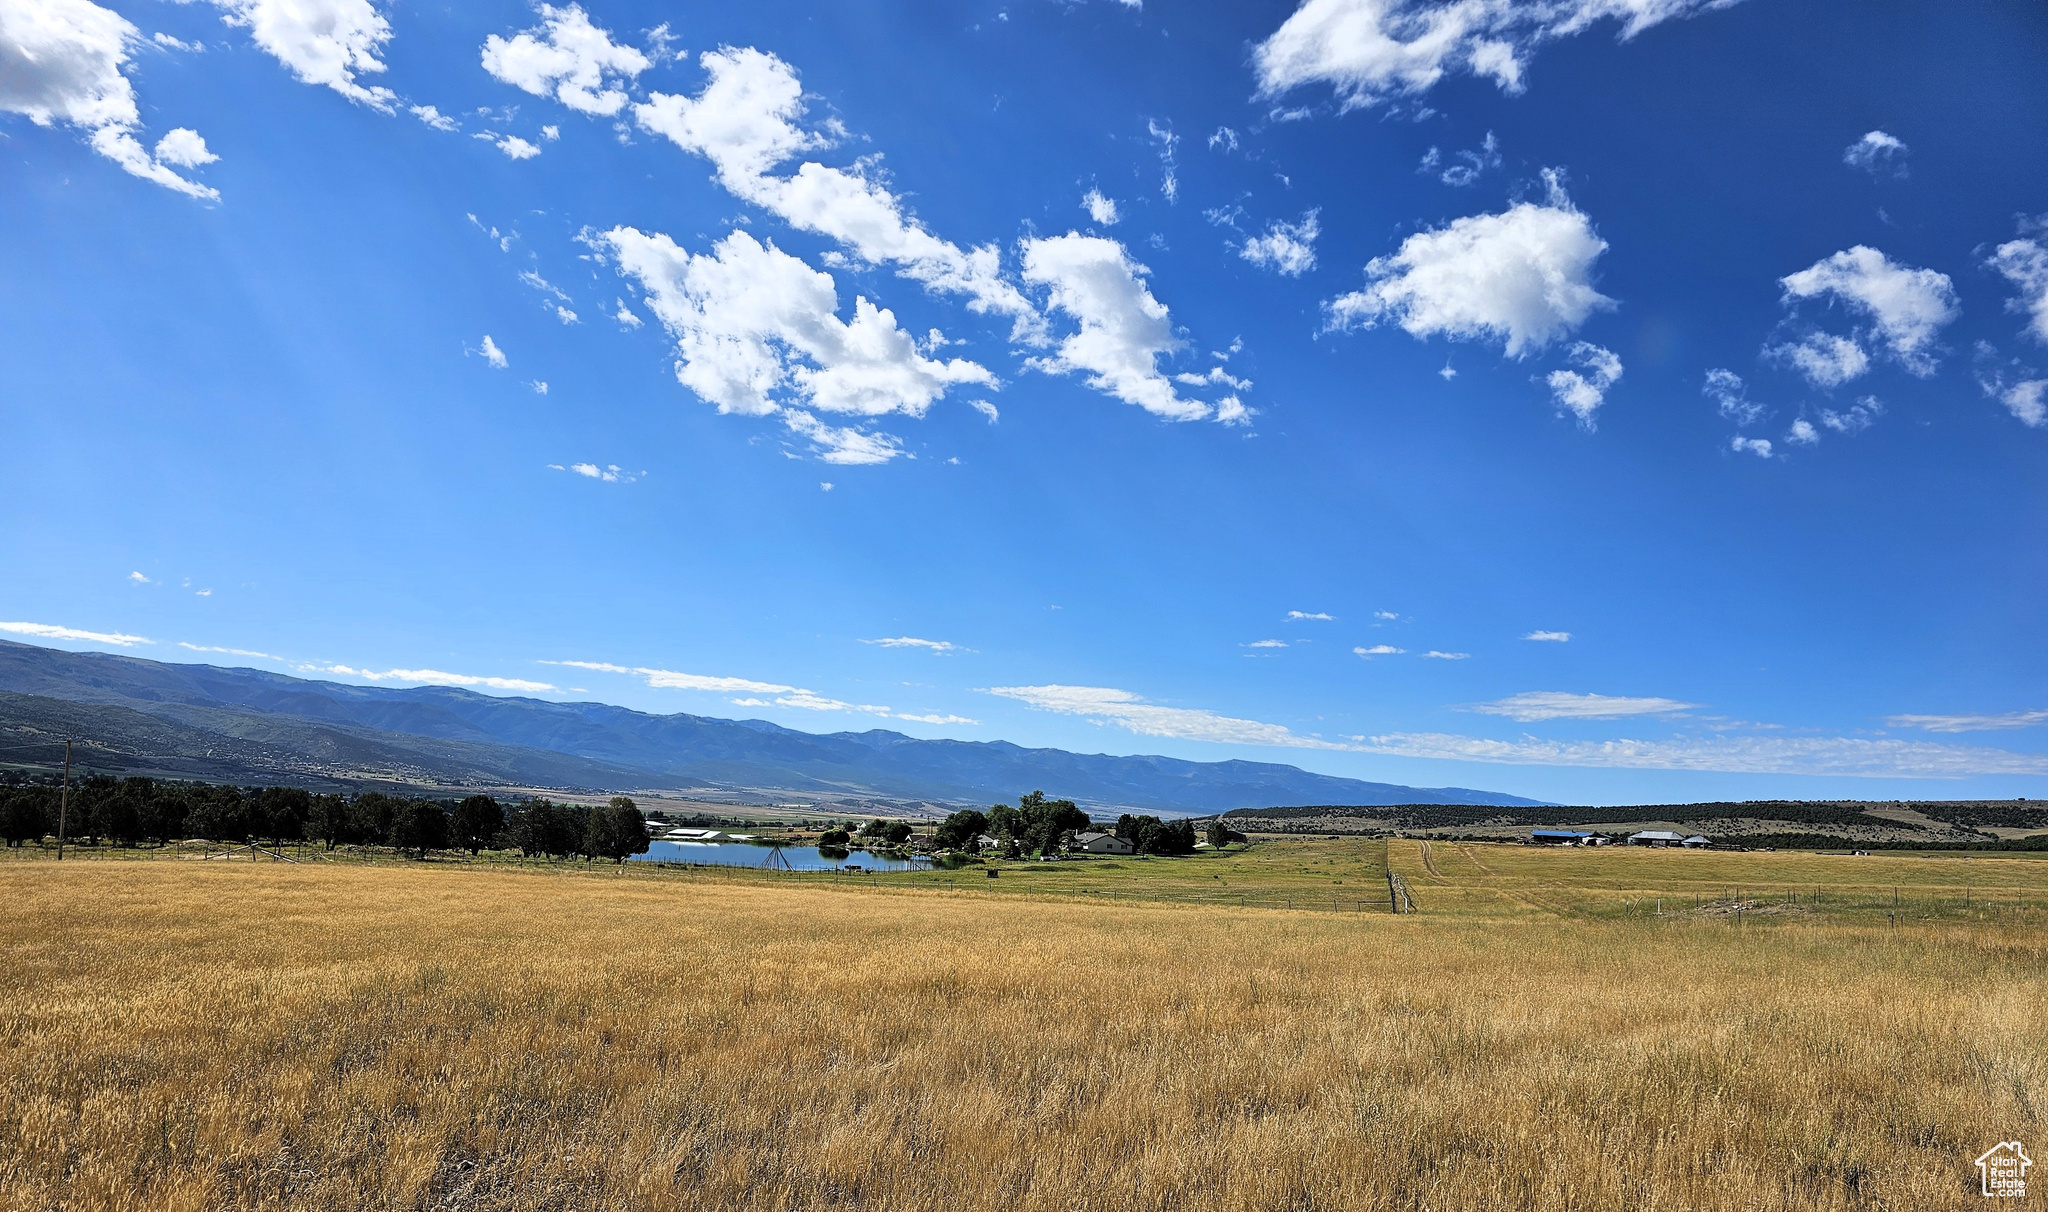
(137, 811)
(1045, 826)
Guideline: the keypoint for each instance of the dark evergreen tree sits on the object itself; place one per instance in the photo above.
(418, 826)
(476, 823)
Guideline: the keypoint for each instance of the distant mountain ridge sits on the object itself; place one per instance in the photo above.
(201, 718)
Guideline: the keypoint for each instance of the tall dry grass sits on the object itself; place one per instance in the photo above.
(182, 1036)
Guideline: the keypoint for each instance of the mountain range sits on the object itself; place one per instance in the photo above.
(251, 725)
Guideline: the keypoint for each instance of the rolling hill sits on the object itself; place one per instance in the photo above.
(251, 725)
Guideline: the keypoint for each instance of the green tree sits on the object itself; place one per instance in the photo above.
(616, 830)
(218, 814)
(476, 823)
(163, 818)
(1150, 835)
(327, 819)
(958, 831)
(834, 839)
(1221, 835)
(115, 812)
(541, 827)
(23, 818)
(897, 833)
(874, 828)
(370, 817)
(281, 813)
(1044, 823)
(418, 826)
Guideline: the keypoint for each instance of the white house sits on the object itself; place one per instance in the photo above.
(1101, 843)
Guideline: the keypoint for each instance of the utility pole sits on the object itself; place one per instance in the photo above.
(64, 801)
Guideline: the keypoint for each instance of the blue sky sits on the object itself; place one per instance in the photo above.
(1599, 400)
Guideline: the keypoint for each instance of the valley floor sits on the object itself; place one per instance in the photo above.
(192, 1035)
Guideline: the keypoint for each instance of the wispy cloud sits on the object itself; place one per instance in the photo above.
(610, 473)
(139, 579)
(1316, 616)
(1150, 719)
(1841, 756)
(429, 677)
(795, 697)
(1550, 637)
(938, 719)
(241, 652)
(1434, 655)
(911, 641)
(1969, 723)
(50, 631)
(1266, 644)
(1379, 650)
(1558, 705)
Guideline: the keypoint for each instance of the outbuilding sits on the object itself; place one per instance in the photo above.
(1656, 837)
(1101, 843)
(1697, 842)
(1558, 837)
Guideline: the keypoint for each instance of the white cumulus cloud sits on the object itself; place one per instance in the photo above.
(1582, 391)
(1878, 154)
(1725, 388)
(1288, 249)
(1760, 447)
(746, 122)
(185, 148)
(1101, 209)
(492, 354)
(1371, 51)
(2024, 263)
(757, 329)
(569, 59)
(61, 62)
(1827, 360)
(324, 42)
(1123, 330)
(432, 117)
(1522, 278)
(1905, 310)
(514, 147)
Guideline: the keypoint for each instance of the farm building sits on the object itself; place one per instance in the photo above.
(1101, 843)
(1559, 837)
(1697, 842)
(1656, 837)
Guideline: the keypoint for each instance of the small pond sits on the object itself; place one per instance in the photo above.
(747, 854)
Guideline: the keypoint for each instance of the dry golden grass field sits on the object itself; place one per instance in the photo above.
(189, 1035)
